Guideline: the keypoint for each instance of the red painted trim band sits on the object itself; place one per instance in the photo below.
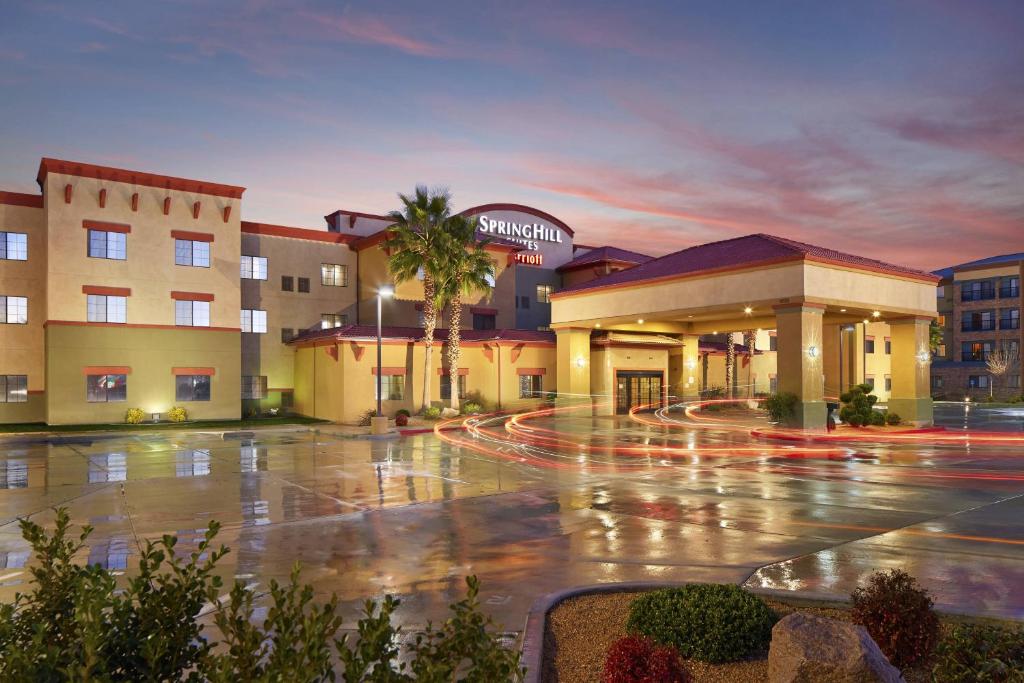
(392, 371)
(107, 227)
(191, 296)
(34, 201)
(531, 371)
(193, 236)
(107, 370)
(444, 372)
(209, 372)
(296, 233)
(106, 291)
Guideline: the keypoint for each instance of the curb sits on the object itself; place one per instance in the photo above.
(428, 430)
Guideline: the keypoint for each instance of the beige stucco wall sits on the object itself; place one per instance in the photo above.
(151, 354)
(149, 268)
(21, 346)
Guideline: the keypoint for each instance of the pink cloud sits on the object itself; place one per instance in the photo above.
(371, 30)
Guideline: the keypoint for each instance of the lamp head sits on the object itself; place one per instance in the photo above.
(386, 292)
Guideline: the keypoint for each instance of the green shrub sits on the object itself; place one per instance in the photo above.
(858, 402)
(974, 653)
(432, 413)
(134, 416)
(366, 416)
(708, 622)
(892, 418)
(403, 411)
(853, 420)
(471, 408)
(877, 418)
(177, 414)
(898, 615)
(781, 407)
(79, 623)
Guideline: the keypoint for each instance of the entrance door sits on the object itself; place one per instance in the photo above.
(637, 388)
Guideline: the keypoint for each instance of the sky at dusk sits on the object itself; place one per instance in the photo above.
(891, 129)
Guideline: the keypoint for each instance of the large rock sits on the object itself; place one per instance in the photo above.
(807, 649)
(449, 412)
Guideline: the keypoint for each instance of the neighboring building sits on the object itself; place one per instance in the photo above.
(123, 289)
(979, 306)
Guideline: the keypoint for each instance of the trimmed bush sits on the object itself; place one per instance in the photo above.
(877, 418)
(858, 402)
(402, 411)
(134, 416)
(892, 419)
(709, 622)
(635, 659)
(401, 419)
(781, 407)
(975, 653)
(898, 615)
(80, 622)
(432, 413)
(471, 408)
(855, 421)
(177, 414)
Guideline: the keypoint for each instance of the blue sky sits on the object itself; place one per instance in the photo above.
(890, 129)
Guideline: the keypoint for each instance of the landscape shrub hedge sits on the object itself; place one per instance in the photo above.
(81, 623)
(980, 653)
(432, 413)
(898, 615)
(636, 659)
(134, 416)
(177, 414)
(713, 623)
(781, 407)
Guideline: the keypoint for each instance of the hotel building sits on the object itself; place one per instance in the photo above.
(979, 307)
(122, 289)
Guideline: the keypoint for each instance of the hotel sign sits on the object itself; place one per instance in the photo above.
(530, 235)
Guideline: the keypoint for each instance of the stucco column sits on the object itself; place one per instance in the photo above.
(800, 369)
(911, 366)
(689, 385)
(573, 358)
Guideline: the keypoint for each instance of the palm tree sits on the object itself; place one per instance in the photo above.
(414, 247)
(750, 341)
(465, 268)
(730, 364)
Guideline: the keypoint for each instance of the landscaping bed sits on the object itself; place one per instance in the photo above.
(580, 630)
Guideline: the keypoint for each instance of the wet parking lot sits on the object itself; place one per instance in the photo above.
(412, 516)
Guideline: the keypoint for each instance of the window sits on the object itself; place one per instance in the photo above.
(1009, 319)
(1011, 347)
(106, 309)
(14, 310)
(977, 350)
(112, 245)
(333, 275)
(870, 381)
(940, 351)
(13, 388)
(329, 320)
(530, 386)
(1009, 287)
(446, 387)
(977, 382)
(191, 253)
(106, 388)
(192, 313)
(888, 346)
(483, 321)
(287, 283)
(869, 344)
(773, 343)
(1013, 381)
(192, 388)
(978, 321)
(392, 388)
(524, 301)
(940, 292)
(14, 246)
(544, 294)
(489, 279)
(254, 267)
(287, 334)
(254, 321)
(304, 284)
(936, 381)
(978, 290)
(254, 386)
(888, 383)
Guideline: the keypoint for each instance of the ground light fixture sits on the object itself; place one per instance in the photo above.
(384, 292)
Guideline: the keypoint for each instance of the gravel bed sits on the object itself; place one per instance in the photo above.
(580, 630)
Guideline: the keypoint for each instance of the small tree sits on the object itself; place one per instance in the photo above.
(859, 407)
(750, 341)
(730, 365)
(935, 336)
(999, 362)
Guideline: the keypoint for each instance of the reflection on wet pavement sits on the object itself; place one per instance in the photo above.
(413, 516)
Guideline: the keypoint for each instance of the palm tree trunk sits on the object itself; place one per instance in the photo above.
(454, 340)
(750, 337)
(429, 323)
(730, 364)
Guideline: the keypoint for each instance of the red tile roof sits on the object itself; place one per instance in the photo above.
(605, 254)
(738, 252)
(416, 334)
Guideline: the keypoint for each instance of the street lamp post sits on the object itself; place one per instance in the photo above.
(382, 293)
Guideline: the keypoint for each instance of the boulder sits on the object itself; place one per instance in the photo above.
(807, 648)
(449, 412)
